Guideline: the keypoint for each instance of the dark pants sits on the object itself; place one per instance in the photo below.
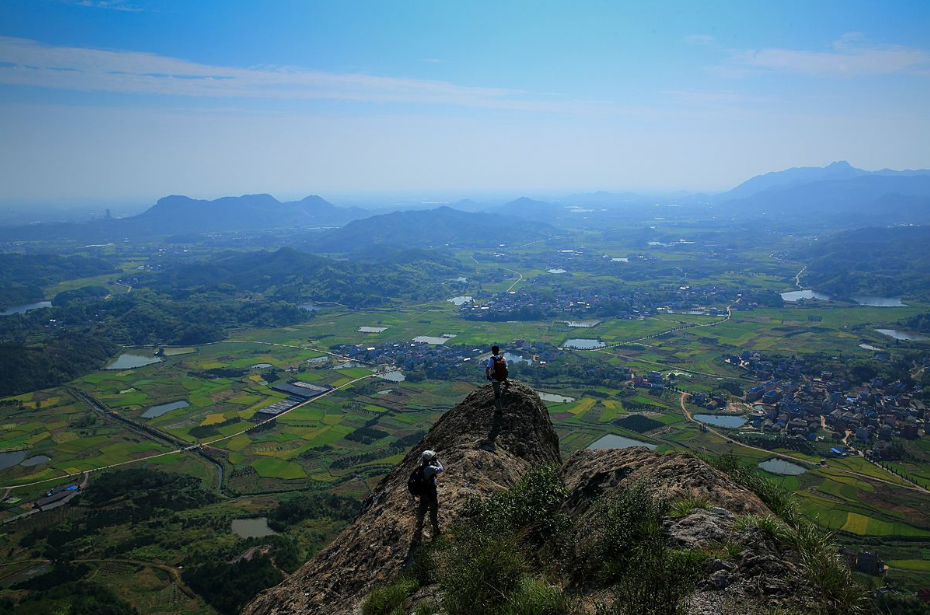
(498, 403)
(428, 501)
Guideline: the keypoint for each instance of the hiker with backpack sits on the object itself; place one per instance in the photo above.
(496, 371)
(422, 483)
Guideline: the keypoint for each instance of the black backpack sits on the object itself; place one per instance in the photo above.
(416, 484)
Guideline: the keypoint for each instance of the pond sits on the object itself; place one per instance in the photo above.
(797, 295)
(782, 467)
(556, 270)
(582, 324)
(877, 301)
(615, 441)
(620, 259)
(459, 279)
(583, 344)
(22, 309)
(322, 359)
(728, 421)
(261, 366)
(157, 411)
(252, 528)
(556, 399)
(34, 461)
(906, 336)
(460, 300)
(393, 376)
(515, 358)
(309, 307)
(130, 360)
(430, 339)
(375, 329)
(8, 460)
(870, 347)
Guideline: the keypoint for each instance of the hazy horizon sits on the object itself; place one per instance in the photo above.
(127, 101)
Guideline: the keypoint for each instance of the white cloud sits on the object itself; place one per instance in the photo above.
(850, 56)
(29, 63)
(113, 5)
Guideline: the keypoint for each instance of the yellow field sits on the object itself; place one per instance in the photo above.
(856, 524)
(583, 406)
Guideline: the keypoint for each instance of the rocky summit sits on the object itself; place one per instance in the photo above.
(482, 453)
(743, 569)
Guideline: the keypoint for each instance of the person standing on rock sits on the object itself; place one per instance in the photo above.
(495, 370)
(423, 483)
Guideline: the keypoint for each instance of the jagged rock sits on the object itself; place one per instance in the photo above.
(591, 473)
(481, 453)
(699, 529)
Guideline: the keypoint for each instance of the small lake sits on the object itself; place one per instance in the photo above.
(377, 329)
(393, 376)
(8, 460)
(129, 361)
(157, 411)
(583, 344)
(252, 528)
(556, 399)
(870, 347)
(430, 339)
(615, 441)
(261, 366)
(556, 270)
(905, 336)
(34, 461)
(515, 358)
(782, 467)
(459, 279)
(582, 324)
(798, 295)
(26, 307)
(309, 307)
(877, 301)
(460, 300)
(727, 421)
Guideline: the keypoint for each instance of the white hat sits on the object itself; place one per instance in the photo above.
(427, 455)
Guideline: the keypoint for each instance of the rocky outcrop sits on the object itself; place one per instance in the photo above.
(589, 474)
(481, 452)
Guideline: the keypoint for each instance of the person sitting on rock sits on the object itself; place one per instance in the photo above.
(425, 475)
(495, 369)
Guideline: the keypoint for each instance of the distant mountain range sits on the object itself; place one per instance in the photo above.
(431, 228)
(838, 191)
(176, 214)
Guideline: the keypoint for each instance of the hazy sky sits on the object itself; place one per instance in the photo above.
(110, 99)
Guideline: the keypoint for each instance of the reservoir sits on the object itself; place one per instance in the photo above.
(129, 360)
(393, 376)
(877, 301)
(727, 421)
(34, 461)
(797, 295)
(782, 467)
(22, 309)
(583, 344)
(615, 441)
(157, 411)
(905, 336)
(556, 399)
(8, 460)
(252, 528)
(460, 300)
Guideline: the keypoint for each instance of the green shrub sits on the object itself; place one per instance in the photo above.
(536, 597)
(480, 574)
(390, 599)
(656, 582)
(615, 524)
(426, 608)
(773, 527)
(684, 506)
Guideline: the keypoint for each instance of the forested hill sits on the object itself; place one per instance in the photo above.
(887, 262)
(290, 275)
(22, 276)
(430, 228)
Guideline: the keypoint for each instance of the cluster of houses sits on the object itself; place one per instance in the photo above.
(573, 302)
(872, 414)
(436, 359)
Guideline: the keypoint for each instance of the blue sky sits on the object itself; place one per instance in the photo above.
(131, 100)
